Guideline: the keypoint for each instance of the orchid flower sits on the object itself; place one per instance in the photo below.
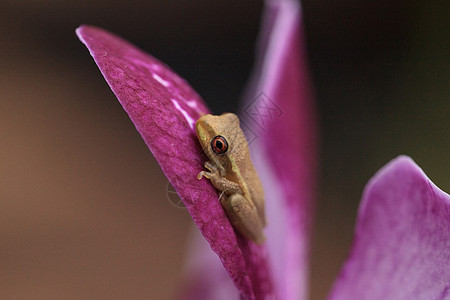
(401, 248)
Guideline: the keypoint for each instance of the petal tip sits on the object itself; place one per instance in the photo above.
(401, 162)
(79, 30)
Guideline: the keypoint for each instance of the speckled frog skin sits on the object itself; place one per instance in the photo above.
(231, 171)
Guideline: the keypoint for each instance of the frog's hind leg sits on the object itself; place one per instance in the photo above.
(244, 217)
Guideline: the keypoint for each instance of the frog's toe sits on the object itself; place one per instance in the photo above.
(203, 174)
(211, 167)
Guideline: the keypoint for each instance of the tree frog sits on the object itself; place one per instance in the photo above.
(231, 171)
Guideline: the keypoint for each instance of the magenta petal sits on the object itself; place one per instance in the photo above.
(280, 124)
(164, 108)
(401, 247)
(279, 112)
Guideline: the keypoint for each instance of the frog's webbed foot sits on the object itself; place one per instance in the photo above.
(204, 174)
(218, 181)
(213, 173)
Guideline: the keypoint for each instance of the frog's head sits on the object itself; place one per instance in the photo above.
(220, 137)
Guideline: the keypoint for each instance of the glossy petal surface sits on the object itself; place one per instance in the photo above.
(164, 108)
(401, 247)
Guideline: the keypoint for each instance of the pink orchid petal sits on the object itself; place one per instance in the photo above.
(283, 151)
(280, 112)
(205, 277)
(164, 108)
(401, 247)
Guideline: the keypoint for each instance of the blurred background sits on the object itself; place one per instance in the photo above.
(84, 211)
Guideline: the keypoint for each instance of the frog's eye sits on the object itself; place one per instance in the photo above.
(219, 145)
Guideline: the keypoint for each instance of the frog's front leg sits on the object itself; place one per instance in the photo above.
(219, 182)
(244, 217)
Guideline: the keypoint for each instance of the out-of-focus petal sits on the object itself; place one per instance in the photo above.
(164, 108)
(401, 247)
(204, 276)
(280, 122)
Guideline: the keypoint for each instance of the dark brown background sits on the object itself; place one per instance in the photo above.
(83, 206)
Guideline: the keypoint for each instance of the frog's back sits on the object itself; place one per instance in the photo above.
(253, 187)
